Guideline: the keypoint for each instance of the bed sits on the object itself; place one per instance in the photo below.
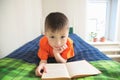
(21, 63)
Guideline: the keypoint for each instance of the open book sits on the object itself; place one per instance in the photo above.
(70, 70)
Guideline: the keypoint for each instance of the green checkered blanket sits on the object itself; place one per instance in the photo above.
(14, 69)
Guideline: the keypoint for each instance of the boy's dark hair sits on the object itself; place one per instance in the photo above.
(55, 21)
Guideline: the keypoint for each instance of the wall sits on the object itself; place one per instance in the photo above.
(19, 23)
(118, 22)
(20, 20)
(75, 10)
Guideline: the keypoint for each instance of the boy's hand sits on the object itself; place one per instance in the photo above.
(40, 69)
(60, 49)
(57, 52)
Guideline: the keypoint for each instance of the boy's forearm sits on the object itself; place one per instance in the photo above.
(59, 58)
(43, 61)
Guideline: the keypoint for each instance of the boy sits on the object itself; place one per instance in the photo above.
(55, 43)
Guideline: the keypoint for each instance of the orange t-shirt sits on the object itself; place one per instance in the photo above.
(46, 50)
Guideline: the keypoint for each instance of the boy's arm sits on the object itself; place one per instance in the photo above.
(41, 68)
(59, 58)
(57, 54)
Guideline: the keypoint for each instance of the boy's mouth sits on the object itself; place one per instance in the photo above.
(57, 46)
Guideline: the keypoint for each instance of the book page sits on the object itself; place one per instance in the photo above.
(56, 70)
(81, 68)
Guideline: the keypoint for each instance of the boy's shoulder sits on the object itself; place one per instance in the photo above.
(70, 40)
(43, 40)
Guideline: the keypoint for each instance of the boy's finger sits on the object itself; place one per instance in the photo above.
(65, 45)
(45, 69)
(38, 73)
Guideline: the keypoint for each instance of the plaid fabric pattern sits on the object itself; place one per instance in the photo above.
(14, 69)
(27, 52)
(110, 70)
(83, 50)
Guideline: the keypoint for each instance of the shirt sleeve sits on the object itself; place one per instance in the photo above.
(69, 52)
(42, 52)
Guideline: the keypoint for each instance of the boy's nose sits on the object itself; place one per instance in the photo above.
(58, 43)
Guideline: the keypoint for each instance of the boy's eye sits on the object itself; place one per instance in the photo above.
(62, 36)
(52, 37)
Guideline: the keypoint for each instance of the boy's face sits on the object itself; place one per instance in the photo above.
(58, 38)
